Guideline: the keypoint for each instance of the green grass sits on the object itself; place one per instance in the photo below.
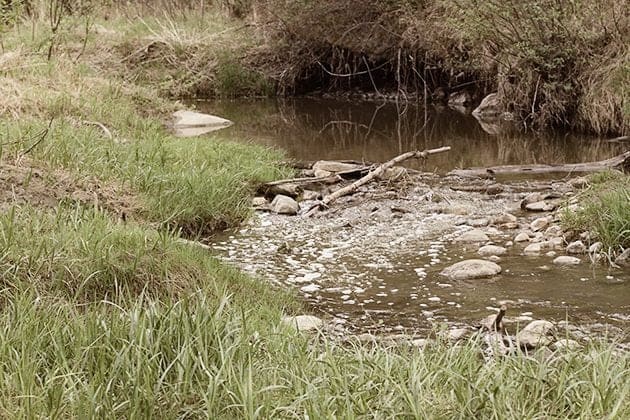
(207, 358)
(604, 210)
(107, 318)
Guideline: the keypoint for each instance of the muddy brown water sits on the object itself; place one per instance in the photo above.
(370, 268)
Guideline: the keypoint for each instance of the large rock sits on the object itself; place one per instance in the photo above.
(282, 204)
(303, 322)
(535, 334)
(471, 269)
(489, 250)
(334, 166)
(191, 123)
(474, 235)
(490, 107)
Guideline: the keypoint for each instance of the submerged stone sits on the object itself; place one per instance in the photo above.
(474, 235)
(566, 260)
(489, 250)
(471, 269)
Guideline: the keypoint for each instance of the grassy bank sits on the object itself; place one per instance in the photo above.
(107, 313)
(604, 210)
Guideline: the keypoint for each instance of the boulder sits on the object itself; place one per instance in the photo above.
(190, 123)
(576, 247)
(303, 322)
(311, 195)
(535, 334)
(474, 235)
(566, 260)
(282, 204)
(471, 269)
(490, 107)
(489, 250)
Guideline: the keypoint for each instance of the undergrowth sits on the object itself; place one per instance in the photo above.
(604, 209)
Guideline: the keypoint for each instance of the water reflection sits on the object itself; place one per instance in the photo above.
(312, 129)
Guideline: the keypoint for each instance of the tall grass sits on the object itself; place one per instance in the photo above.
(206, 358)
(604, 210)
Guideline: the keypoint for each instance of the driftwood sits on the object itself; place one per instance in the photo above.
(622, 162)
(325, 202)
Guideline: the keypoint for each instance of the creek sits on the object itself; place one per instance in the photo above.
(372, 263)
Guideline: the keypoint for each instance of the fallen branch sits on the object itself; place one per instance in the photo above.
(622, 161)
(372, 175)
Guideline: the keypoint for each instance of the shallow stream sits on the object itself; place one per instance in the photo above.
(373, 262)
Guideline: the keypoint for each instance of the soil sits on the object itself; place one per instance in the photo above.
(28, 182)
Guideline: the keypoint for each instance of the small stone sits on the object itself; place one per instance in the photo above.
(334, 166)
(535, 334)
(310, 195)
(595, 248)
(310, 288)
(458, 210)
(565, 344)
(494, 258)
(471, 269)
(509, 244)
(551, 254)
(556, 242)
(521, 237)
(540, 206)
(579, 182)
(509, 226)
(457, 334)
(576, 247)
(303, 322)
(478, 222)
(539, 224)
(473, 236)
(259, 202)
(554, 230)
(504, 218)
(623, 259)
(494, 189)
(320, 173)
(566, 260)
(489, 250)
(532, 198)
(282, 204)
(533, 249)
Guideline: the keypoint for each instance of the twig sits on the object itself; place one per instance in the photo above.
(105, 130)
(41, 137)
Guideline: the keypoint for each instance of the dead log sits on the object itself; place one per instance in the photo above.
(621, 162)
(372, 175)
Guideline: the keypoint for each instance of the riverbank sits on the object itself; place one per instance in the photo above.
(107, 313)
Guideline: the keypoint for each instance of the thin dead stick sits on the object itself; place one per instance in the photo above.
(105, 130)
(372, 175)
(42, 136)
